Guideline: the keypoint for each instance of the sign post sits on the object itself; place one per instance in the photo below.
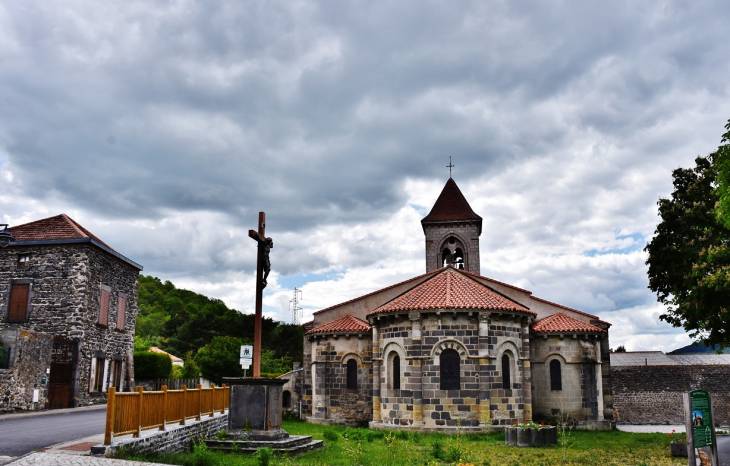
(246, 357)
(698, 418)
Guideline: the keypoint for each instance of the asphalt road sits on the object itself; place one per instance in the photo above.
(25, 433)
(723, 450)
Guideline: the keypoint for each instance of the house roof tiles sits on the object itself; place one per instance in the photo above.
(344, 324)
(59, 227)
(450, 289)
(558, 323)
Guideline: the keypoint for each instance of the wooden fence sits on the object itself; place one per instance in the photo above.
(133, 412)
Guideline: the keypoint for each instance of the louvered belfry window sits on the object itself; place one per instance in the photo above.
(450, 370)
(121, 312)
(556, 380)
(104, 308)
(352, 374)
(18, 309)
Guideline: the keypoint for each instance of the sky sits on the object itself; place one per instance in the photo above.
(164, 127)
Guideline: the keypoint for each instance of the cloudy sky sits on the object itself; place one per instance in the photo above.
(165, 127)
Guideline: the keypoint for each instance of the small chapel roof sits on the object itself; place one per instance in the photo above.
(451, 205)
(451, 289)
(560, 322)
(344, 324)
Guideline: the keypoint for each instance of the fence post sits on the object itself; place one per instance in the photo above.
(226, 398)
(200, 400)
(139, 412)
(212, 400)
(184, 404)
(164, 408)
(109, 416)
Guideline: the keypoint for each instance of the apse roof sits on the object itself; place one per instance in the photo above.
(344, 324)
(451, 205)
(560, 322)
(450, 289)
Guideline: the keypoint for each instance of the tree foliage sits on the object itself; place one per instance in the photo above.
(687, 254)
(150, 366)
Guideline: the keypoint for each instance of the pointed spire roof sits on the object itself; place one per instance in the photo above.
(451, 205)
(451, 289)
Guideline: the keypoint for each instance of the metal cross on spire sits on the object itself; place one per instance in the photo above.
(450, 166)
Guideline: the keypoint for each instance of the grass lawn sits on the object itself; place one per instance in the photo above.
(366, 447)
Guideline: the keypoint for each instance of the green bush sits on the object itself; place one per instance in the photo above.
(150, 366)
(330, 435)
(263, 456)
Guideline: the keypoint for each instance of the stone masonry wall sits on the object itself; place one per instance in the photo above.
(468, 234)
(30, 358)
(653, 394)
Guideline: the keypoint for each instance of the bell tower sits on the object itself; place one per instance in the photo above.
(452, 232)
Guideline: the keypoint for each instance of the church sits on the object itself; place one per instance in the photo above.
(451, 349)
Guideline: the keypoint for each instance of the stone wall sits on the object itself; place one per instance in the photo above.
(653, 394)
(30, 359)
(175, 438)
(465, 232)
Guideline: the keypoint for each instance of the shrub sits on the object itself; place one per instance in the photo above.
(374, 434)
(331, 435)
(263, 456)
(437, 450)
(202, 456)
(150, 366)
(353, 434)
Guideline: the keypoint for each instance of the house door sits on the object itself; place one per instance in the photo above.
(61, 377)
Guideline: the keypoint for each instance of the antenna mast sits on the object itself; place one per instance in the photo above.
(296, 310)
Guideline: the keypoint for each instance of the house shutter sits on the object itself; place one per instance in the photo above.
(18, 302)
(104, 309)
(121, 310)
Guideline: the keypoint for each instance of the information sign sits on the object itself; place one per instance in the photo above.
(701, 416)
(247, 351)
(245, 363)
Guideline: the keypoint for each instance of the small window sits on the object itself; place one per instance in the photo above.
(98, 366)
(23, 261)
(352, 374)
(286, 399)
(505, 373)
(18, 308)
(556, 381)
(116, 374)
(396, 372)
(121, 312)
(449, 362)
(104, 307)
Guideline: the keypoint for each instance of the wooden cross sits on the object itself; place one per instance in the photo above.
(260, 238)
(450, 166)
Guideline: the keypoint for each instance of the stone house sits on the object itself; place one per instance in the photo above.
(68, 304)
(453, 349)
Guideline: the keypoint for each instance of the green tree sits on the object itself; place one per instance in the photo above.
(684, 254)
(220, 358)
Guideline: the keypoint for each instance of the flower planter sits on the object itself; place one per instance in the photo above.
(529, 436)
(510, 436)
(678, 449)
(523, 436)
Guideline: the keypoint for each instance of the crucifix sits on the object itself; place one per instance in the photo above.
(450, 166)
(263, 267)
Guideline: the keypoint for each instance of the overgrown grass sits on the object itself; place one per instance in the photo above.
(347, 447)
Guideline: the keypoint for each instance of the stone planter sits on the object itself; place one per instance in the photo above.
(529, 436)
(678, 449)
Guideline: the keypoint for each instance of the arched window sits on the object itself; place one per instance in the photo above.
(286, 399)
(556, 380)
(352, 374)
(396, 372)
(450, 370)
(505, 373)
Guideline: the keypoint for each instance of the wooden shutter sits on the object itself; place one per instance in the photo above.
(104, 309)
(18, 308)
(121, 311)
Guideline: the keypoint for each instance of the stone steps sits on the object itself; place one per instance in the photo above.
(294, 444)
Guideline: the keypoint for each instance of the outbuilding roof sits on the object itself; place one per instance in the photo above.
(52, 228)
(451, 205)
(345, 324)
(451, 289)
(558, 323)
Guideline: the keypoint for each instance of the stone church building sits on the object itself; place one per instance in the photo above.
(453, 349)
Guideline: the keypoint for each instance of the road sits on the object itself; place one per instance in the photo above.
(723, 450)
(25, 433)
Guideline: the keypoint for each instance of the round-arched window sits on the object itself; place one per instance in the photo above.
(450, 369)
(505, 373)
(396, 372)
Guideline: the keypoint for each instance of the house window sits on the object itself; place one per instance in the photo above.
(396, 372)
(116, 374)
(556, 381)
(97, 374)
(104, 305)
(286, 399)
(121, 312)
(23, 261)
(450, 370)
(18, 308)
(505, 373)
(352, 374)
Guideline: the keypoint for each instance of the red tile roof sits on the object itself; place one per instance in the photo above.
(346, 324)
(52, 228)
(558, 323)
(570, 309)
(451, 289)
(451, 205)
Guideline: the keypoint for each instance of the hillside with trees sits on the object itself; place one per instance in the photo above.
(196, 327)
